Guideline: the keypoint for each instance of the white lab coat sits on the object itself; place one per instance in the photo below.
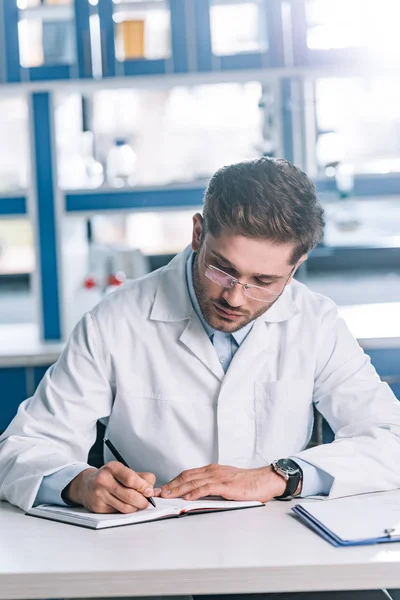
(142, 361)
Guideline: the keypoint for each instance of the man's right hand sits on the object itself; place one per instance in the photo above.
(113, 488)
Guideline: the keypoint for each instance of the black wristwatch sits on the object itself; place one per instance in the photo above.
(290, 470)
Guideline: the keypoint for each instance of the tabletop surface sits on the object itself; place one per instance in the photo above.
(255, 550)
(374, 325)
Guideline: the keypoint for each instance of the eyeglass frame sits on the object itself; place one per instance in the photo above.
(245, 286)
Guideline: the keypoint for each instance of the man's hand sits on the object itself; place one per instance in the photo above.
(229, 482)
(113, 488)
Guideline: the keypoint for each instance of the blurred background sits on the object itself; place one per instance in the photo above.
(114, 114)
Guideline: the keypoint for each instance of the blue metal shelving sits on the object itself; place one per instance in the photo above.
(43, 141)
(270, 54)
(176, 63)
(13, 205)
(191, 53)
(133, 199)
(77, 39)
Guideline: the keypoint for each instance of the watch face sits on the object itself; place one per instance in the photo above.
(288, 465)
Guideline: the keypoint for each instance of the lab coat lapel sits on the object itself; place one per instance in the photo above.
(261, 340)
(197, 341)
(172, 303)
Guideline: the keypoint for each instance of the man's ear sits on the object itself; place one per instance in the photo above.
(299, 262)
(197, 231)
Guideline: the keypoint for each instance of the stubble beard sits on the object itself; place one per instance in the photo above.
(209, 312)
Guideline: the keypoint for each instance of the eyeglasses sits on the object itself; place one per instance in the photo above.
(251, 291)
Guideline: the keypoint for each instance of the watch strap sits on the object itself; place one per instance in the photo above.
(292, 482)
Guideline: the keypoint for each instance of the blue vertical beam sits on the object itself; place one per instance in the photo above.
(9, 31)
(43, 175)
(82, 35)
(203, 35)
(2, 44)
(107, 37)
(179, 33)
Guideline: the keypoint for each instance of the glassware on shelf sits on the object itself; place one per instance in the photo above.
(121, 165)
(46, 33)
(30, 36)
(58, 42)
(14, 143)
(57, 2)
(142, 32)
(93, 169)
(131, 33)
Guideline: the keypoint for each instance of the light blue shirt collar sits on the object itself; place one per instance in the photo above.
(238, 336)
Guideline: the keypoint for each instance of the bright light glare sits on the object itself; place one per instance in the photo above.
(369, 24)
(236, 28)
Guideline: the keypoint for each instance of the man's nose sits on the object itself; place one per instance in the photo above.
(234, 296)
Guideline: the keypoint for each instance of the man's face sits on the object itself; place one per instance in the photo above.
(252, 261)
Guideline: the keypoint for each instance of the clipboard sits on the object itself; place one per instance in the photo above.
(359, 520)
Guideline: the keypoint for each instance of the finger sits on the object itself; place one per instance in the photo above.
(129, 478)
(128, 496)
(98, 506)
(149, 477)
(208, 489)
(185, 477)
(189, 474)
(119, 505)
(184, 488)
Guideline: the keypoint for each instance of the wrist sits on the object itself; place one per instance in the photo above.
(273, 484)
(72, 493)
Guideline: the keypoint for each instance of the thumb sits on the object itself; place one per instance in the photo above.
(149, 477)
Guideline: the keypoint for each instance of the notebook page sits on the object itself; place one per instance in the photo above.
(193, 505)
(79, 512)
(358, 517)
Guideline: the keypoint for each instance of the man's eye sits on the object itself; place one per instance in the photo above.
(263, 283)
(223, 268)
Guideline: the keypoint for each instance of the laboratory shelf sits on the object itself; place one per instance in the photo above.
(11, 204)
(74, 57)
(50, 12)
(156, 198)
(179, 196)
(387, 184)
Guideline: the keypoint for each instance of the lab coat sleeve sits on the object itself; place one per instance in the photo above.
(361, 410)
(315, 481)
(56, 427)
(52, 485)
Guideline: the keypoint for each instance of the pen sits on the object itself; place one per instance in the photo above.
(117, 455)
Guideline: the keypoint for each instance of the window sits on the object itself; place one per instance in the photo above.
(238, 27)
(358, 122)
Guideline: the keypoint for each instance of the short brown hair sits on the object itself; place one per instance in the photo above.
(265, 198)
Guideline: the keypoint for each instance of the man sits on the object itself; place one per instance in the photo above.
(206, 372)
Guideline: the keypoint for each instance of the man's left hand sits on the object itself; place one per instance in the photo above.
(229, 482)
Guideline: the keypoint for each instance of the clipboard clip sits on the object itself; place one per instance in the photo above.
(393, 533)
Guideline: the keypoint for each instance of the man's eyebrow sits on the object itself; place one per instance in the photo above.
(259, 275)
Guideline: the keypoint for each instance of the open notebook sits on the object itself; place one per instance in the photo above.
(166, 508)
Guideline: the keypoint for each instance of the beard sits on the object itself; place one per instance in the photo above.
(209, 312)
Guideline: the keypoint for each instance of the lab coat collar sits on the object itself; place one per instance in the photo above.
(172, 303)
(172, 300)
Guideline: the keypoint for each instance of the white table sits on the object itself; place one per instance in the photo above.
(257, 550)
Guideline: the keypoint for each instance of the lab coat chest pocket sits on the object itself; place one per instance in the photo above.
(284, 417)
